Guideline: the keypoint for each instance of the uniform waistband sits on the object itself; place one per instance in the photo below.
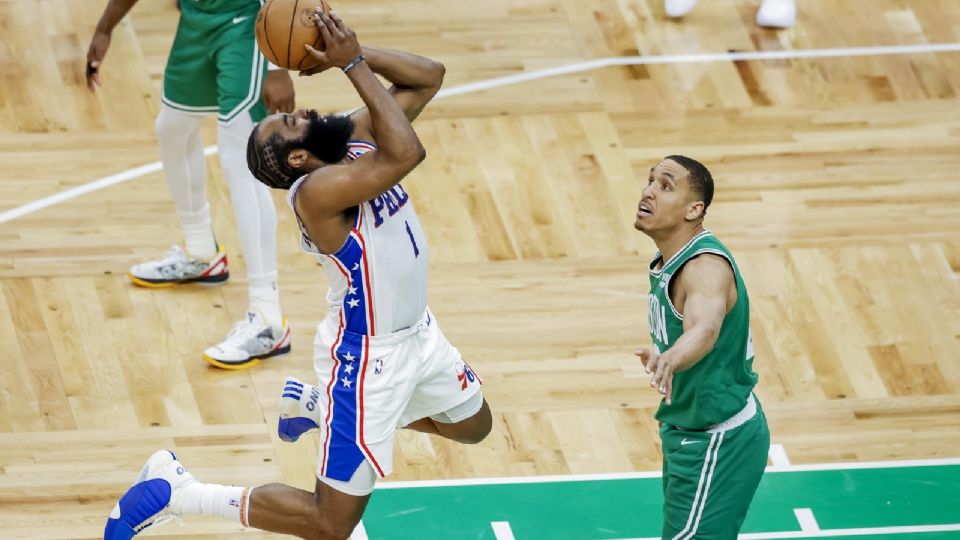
(426, 319)
(746, 413)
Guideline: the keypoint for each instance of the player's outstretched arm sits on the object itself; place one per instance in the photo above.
(329, 190)
(705, 285)
(112, 15)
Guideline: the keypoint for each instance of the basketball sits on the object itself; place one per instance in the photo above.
(284, 27)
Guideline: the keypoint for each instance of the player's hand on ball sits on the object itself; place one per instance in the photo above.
(278, 92)
(98, 49)
(341, 43)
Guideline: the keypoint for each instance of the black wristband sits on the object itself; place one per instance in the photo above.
(353, 63)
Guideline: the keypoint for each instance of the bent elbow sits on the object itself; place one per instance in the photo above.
(410, 156)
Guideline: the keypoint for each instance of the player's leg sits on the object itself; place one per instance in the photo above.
(710, 479)
(240, 71)
(447, 401)
(189, 92)
(687, 457)
(184, 167)
(327, 513)
(468, 423)
(738, 476)
(166, 490)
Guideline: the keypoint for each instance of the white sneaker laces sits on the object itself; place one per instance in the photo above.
(243, 331)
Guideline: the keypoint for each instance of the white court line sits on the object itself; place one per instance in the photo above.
(828, 533)
(778, 456)
(843, 52)
(808, 523)
(656, 474)
(502, 530)
(83, 189)
(359, 532)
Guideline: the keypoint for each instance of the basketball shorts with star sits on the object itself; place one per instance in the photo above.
(214, 64)
(373, 385)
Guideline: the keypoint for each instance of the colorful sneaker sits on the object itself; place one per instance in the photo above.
(147, 502)
(249, 341)
(178, 267)
(299, 409)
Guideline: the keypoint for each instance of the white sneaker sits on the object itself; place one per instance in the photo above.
(178, 267)
(249, 341)
(147, 502)
(678, 8)
(777, 13)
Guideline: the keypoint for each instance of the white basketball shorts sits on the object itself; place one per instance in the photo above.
(377, 384)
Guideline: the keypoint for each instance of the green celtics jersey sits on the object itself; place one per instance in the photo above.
(717, 386)
(222, 6)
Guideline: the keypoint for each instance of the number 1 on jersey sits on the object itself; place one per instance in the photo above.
(416, 250)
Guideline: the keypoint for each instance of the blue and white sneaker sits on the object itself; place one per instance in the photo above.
(147, 502)
(299, 409)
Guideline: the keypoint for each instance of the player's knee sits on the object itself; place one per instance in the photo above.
(481, 425)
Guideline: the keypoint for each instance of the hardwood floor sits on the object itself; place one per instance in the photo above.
(838, 189)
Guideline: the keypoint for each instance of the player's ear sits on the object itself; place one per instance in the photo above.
(298, 158)
(695, 211)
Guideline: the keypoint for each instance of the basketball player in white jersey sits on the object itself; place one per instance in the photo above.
(381, 359)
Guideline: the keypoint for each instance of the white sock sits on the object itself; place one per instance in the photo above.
(228, 502)
(265, 298)
(184, 167)
(198, 234)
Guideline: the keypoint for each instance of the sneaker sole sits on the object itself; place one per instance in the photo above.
(218, 279)
(247, 364)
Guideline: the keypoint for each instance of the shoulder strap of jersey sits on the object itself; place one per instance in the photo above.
(357, 148)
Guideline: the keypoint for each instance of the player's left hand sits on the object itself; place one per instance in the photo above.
(662, 368)
(278, 91)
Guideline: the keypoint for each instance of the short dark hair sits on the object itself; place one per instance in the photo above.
(326, 138)
(268, 161)
(701, 181)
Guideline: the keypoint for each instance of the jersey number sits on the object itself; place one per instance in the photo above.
(416, 250)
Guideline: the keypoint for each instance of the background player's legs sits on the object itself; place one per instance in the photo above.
(325, 514)
(181, 152)
(256, 219)
(471, 430)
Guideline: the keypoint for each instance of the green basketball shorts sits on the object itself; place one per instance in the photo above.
(709, 477)
(215, 65)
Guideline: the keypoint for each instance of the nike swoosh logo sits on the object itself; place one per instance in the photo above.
(238, 20)
(686, 442)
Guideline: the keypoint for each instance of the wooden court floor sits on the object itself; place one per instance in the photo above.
(838, 189)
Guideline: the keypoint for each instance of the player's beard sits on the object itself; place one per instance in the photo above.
(327, 136)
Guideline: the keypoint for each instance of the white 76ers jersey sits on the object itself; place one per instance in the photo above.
(378, 277)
